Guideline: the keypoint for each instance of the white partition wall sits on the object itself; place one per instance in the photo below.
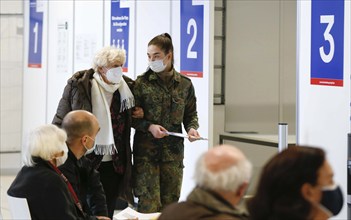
(35, 64)
(74, 30)
(323, 101)
(152, 18)
(60, 52)
(88, 32)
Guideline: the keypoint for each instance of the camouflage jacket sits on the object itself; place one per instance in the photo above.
(169, 106)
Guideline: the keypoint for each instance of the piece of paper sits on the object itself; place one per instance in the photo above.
(183, 135)
(129, 213)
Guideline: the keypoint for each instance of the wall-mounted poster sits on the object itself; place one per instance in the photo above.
(120, 28)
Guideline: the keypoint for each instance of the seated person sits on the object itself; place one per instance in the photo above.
(81, 127)
(39, 180)
(296, 184)
(222, 176)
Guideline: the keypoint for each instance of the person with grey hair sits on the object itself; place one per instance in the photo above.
(40, 182)
(104, 91)
(222, 175)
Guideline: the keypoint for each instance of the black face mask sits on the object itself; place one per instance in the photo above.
(332, 199)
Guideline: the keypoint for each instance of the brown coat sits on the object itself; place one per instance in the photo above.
(77, 96)
(203, 204)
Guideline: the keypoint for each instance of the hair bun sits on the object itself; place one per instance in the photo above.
(167, 35)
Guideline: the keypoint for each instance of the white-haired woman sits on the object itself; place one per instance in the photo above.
(104, 91)
(39, 180)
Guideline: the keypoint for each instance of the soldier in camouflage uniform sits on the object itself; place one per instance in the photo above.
(168, 100)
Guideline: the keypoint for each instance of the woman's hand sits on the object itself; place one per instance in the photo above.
(138, 112)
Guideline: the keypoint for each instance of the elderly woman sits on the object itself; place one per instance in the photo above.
(297, 184)
(39, 180)
(104, 91)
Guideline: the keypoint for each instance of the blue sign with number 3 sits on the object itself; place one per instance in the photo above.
(191, 38)
(327, 43)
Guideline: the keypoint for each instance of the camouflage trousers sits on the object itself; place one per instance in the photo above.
(157, 184)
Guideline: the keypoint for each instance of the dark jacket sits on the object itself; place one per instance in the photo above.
(46, 192)
(77, 96)
(86, 183)
(203, 204)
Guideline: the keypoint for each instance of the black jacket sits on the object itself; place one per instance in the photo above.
(86, 183)
(46, 192)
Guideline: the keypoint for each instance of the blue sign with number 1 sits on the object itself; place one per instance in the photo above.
(327, 43)
(35, 35)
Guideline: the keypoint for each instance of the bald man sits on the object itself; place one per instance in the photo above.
(222, 176)
(82, 127)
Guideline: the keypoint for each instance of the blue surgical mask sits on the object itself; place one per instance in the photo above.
(332, 199)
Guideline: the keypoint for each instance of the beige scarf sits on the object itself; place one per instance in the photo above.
(104, 140)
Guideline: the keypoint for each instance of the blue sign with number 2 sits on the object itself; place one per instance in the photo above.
(191, 38)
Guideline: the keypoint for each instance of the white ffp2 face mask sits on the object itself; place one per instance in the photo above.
(114, 75)
(89, 151)
(62, 160)
(157, 66)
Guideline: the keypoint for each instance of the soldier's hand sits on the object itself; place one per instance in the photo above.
(193, 135)
(157, 131)
(138, 112)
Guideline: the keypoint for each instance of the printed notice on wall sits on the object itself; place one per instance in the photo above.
(62, 47)
(85, 49)
(327, 43)
(120, 28)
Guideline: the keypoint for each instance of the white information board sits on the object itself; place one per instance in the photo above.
(323, 94)
(35, 65)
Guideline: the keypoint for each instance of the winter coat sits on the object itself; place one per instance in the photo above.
(77, 96)
(203, 204)
(46, 192)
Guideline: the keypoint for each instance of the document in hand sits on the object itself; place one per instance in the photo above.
(183, 135)
(129, 213)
